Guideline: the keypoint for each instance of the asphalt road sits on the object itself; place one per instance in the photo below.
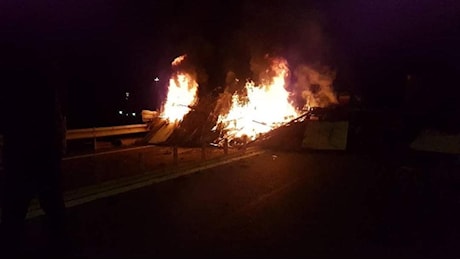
(274, 205)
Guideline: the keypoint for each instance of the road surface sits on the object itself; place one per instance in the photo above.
(274, 205)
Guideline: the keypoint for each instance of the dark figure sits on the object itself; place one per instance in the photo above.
(33, 129)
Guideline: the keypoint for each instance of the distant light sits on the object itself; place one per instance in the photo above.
(120, 112)
(134, 114)
(156, 79)
(127, 114)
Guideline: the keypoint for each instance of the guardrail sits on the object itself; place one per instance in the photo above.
(96, 132)
(93, 133)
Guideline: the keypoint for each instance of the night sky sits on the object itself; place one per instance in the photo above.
(106, 48)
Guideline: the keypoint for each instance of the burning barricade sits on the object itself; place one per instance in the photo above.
(181, 97)
(250, 114)
(259, 108)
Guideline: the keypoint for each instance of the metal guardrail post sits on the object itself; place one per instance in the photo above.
(203, 151)
(175, 155)
(226, 146)
(141, 161)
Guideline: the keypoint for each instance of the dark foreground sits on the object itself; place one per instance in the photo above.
(275, 205)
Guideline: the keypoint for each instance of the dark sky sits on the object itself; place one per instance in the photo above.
(108, 47)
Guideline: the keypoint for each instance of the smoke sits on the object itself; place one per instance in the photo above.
(263, 70)
(312, 86)
(184, 63)
(315, 86)
(224, 101)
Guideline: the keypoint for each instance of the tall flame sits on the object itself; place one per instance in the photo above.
(264, 108)
(181, 96)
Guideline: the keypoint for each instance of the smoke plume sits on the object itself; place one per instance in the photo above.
(315, 86)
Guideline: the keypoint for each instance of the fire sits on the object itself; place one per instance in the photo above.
(182, 94)
(178, 60)
(265, 107)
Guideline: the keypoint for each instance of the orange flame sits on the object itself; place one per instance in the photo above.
(178, 60)
(181, 96)
(266, 106)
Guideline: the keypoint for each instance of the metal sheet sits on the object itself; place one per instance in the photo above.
(435, 141)
(324, 135)
(162, 134)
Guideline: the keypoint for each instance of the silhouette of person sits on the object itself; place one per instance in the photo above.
(33, 132)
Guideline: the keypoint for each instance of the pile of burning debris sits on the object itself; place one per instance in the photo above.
(255, 113)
